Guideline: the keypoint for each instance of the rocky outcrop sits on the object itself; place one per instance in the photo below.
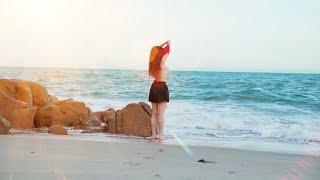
(108, 117)
(19, 101)
(40, 96)
(105, 115)
(132, 120)
(27, 105)
(4, 125)
(101, 129)
(66, 113)
(93, 121)
(111, 124)
(146, 107)
(58, 129)
(52, 99)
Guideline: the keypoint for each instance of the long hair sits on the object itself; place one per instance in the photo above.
(155, 61)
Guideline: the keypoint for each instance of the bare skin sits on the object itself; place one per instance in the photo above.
(158, 109)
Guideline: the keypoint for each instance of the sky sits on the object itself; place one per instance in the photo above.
(210, 35)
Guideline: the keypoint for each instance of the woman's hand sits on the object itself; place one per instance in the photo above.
(167, 42)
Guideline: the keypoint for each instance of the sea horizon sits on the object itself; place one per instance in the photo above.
(174, 70)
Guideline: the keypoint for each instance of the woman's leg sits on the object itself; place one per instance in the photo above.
(160, 117)
(154, 120)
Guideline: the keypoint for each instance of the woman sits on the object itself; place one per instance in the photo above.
(159, 93)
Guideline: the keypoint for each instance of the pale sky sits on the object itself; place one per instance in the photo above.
(215, 35)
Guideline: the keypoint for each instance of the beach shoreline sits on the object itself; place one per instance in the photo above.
(309, 149)
(57, 158)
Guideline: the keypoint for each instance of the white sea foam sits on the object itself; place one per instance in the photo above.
(293, 132)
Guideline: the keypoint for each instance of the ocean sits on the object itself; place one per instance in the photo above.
(278, 112)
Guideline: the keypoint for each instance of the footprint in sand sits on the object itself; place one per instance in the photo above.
(132, 163)
(231, 172)
(149, 157)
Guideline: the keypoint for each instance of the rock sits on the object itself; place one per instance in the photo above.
(19, 101)
(48, 116)
(104, 129)
(146, 107)
(4, 125)
(39, 94)
(52, 99)
(16, 103)
(111, 125)
(75, 112)
(118, 121)
(108, 117)
(23, 93)
(31, 91)
(133, 120)
(93, 121)
(105, 115)
(58, 129)
(66, 113)
(96, 130)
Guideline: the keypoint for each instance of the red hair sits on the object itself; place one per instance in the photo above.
(155, 61)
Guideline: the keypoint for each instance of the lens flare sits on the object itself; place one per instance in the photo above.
(185, 147)
(304, 163)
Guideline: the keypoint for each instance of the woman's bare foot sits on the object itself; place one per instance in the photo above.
(160, 137)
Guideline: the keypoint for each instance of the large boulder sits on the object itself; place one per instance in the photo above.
(31, 92)
(133, 120)
(111, 124)
(19, 101)
(146, 107)
(108, 117)
(66, 113)
(58, 129)
(52, 99)
(49, 115)
(4, 125)
(93, 121)
(118, 121)
(40, 94)
(105, 115)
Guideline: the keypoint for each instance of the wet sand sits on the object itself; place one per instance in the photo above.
(56, 158)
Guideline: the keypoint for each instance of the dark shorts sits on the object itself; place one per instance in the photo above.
(159, 92)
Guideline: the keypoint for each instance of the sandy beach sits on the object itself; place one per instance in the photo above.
(230, 87)
(56, 158)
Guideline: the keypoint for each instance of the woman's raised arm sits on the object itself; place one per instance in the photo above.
(167, 42)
